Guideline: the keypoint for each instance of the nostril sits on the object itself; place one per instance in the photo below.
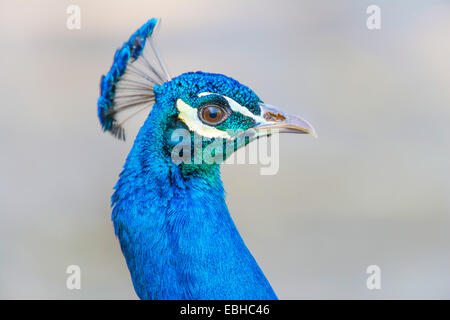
(270, 116)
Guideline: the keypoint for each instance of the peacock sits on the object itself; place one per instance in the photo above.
(168, 206)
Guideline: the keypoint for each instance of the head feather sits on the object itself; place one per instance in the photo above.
(130, 81)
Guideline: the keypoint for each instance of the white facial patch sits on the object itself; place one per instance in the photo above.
(236, 107)
(189, 116)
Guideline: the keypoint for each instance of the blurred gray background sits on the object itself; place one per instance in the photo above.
(372, 189)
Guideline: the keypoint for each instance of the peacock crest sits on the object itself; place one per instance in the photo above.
(128, 86)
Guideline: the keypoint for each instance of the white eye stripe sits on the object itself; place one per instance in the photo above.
(202, 94)
(189, 115)
(236, 107)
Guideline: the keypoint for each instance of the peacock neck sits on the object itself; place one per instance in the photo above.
(175, 230)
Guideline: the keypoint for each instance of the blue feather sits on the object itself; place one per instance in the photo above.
(175, 230)
(171, 218)
(130, 51)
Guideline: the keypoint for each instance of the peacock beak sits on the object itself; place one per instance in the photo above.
(274, 118)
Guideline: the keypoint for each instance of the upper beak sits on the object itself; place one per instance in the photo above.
(284, 122)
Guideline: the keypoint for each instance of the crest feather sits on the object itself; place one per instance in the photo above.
(136, 69)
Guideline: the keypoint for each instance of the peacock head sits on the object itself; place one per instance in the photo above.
(204, 117)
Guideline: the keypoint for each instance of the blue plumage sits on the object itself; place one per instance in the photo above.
(171, 218)
(130, 51)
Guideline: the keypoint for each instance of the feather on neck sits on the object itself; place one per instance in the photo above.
(175, 230)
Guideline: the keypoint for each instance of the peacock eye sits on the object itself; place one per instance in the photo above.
(213, 114)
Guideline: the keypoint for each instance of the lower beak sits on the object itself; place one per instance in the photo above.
(276, 119)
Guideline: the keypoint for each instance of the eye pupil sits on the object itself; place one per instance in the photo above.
(213, 112)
